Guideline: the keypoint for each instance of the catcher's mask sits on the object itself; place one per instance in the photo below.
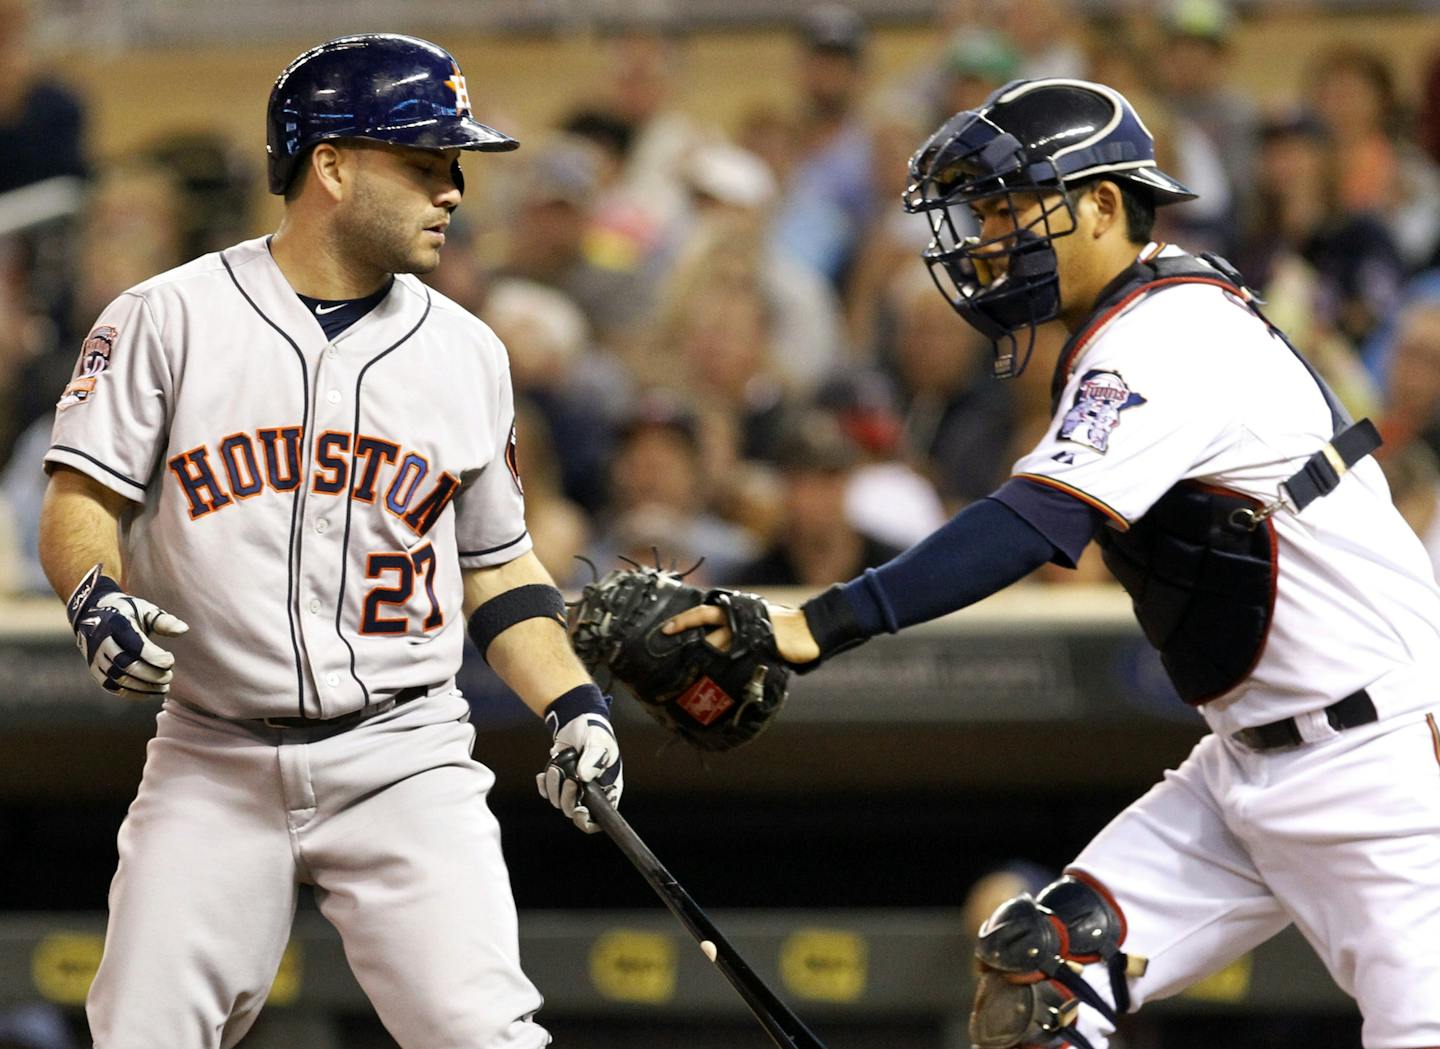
(1030, 139)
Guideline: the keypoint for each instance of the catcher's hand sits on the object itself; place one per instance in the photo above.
(113, 631)
(793, 640)
(715, 697)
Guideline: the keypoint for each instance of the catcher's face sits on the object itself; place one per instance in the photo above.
(1001, 217)
(399, 206)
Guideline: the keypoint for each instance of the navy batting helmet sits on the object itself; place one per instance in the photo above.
(1028, 137)
(378, 86)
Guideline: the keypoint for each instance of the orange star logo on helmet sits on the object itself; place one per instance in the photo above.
(456, 83)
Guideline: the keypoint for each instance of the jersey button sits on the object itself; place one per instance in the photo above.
(322, 525)
(314, 606)
(333, 396)
(332, 680)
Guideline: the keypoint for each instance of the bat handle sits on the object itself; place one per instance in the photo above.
(565, 761)
(591, 795)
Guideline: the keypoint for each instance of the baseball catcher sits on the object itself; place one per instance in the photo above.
(712, 695)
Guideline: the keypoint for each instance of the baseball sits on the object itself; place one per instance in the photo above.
(708, 949)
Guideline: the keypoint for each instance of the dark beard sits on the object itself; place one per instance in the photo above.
(386, 245)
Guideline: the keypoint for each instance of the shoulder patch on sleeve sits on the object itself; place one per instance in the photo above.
(512, 458)
(95, 354)
(1101, 398)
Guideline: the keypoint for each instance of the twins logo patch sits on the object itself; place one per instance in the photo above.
(94, 359)
(1101, 398)
(704, 701)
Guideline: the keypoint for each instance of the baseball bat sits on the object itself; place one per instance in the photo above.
(785, 1029)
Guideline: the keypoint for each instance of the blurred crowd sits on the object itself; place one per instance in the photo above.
(725, 349)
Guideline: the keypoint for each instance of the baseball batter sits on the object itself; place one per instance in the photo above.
(1238, 505)
(308, 458)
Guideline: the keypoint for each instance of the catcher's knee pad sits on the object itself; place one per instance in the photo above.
(1095, 929)
(1049, 939)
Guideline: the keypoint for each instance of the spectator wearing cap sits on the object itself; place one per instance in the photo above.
(660, 479)
(887, 498)
(1297, 220)
(816, 543)
(975, 63)
(555, 192)
(1193, 66)
(732, 195)
(826, 201)
(578, 391)
(42, 122)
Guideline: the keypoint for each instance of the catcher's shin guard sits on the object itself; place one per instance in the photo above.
(1023, 1016)
(1032, 942)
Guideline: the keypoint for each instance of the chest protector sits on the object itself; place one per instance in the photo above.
(1200, 566)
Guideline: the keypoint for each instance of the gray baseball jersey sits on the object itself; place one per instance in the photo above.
(305, 506)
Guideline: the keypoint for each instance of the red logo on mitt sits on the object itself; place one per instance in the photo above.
(704, 701)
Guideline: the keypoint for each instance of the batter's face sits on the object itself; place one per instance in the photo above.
(398, 205)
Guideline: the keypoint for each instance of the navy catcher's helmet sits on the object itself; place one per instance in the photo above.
(378, 86)
(1030, 136)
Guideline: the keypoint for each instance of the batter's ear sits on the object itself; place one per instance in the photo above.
(329, 168)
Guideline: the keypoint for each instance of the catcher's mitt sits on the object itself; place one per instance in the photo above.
(714, 699)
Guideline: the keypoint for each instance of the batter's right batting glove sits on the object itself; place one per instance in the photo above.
(580, 721)
(112, 630)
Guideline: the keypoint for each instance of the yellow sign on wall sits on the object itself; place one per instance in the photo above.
(63, 965)
(288, 977)
(630, 966)
(827, 965)
(1230, 984)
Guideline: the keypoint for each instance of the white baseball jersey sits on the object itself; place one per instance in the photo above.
(1340, 836)
(1188, 384)
(305, 505)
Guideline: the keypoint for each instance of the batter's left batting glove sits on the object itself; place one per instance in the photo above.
(113, 629)
(580, 721)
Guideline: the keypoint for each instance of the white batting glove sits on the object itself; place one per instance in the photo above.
(113, 630)
(580, 721)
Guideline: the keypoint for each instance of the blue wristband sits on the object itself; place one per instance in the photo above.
(579, 701)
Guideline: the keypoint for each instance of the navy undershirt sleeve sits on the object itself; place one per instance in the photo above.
(982, 549)
(1069, 523)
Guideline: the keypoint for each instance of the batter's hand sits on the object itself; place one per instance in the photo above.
(113, 630)
(580, 721)
(793, 639)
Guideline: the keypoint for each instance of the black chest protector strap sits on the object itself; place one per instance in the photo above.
(1323, 470)
(1201, 564)
(1352, 442)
